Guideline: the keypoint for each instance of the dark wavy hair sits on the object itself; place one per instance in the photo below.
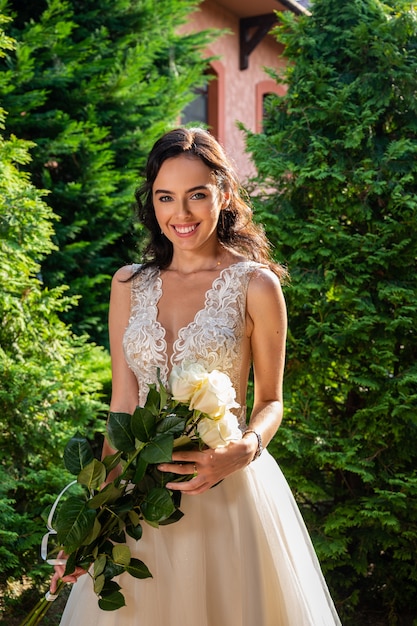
(235, 227)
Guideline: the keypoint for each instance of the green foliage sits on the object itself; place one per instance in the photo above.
(50, 378)
(337, 165)
(93, 84)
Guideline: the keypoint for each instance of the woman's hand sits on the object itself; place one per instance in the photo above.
(209, 466)
(59, 574)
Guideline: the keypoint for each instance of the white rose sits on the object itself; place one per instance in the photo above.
(218, 433)
(215, 395)
(184, 381)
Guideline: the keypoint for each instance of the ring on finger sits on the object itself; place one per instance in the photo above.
(195, 473)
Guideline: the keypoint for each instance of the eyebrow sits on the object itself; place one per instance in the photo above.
(187, 190)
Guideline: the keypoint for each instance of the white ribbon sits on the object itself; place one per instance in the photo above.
(52, 531)
(50, 596)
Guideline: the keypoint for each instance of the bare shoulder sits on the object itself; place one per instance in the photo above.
(121, 278)
(120, 296)
(121, 286)
(263, 282)
(265, 295)
(124, 273)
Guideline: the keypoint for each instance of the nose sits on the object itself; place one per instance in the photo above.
(183, 210)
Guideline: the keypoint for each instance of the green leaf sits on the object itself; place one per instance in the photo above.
(158, 505)
(111, 586)
(143, 424)
(135, 532)
(70, 564)
(92, 475)
(99, 582)
(111, 461)
(106, 548)
(77, 454)
(138, 569)
(134, 517)
(171, 424)
(112, 602)
(141, 466)
(159, 450)
(120, 432)
(163, 393)
(125, 504)
(172, 519)
(74, 522)
(118, 536)
(121, 555)
(111, 570)
(153, 401)
(108, 495)
(99, 565)
(94, 534)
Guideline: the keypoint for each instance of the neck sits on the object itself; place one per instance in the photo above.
(192, 265)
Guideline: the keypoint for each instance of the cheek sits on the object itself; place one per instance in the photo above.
(216, 213)
(161, 213)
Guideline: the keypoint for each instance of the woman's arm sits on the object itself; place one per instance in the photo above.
(124, 386)
(267, 310)
(124, 396)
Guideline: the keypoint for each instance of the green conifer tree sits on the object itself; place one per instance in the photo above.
(50, 379)
(337, 165)
(93, 83)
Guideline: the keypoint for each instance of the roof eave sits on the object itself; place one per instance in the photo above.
(295, 7)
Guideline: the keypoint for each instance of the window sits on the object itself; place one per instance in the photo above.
(197, 110)
(208, 104)
(264, 89)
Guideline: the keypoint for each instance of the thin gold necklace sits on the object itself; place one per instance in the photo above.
(204, 269)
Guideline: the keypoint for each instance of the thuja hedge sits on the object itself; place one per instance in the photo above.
(93, 83)
(51, 381)
(337, 191)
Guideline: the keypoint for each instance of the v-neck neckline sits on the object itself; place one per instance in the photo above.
(170, 358)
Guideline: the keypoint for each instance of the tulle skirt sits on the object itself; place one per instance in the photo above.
(240, 556)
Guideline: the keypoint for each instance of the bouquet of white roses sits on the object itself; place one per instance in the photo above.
(91, 526)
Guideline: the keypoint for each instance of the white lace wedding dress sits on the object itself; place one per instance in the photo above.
(241, 555)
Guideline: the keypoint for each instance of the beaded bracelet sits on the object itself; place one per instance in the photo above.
(260, 447)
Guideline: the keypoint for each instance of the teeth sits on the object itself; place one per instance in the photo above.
(183, 230)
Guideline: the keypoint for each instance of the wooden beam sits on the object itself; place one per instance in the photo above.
(251, 32)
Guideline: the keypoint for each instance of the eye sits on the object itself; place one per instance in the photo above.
(164, 198)
(198, 195)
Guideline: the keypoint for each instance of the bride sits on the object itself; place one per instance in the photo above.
(208, 292)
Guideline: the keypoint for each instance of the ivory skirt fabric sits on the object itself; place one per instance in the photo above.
(240, 556)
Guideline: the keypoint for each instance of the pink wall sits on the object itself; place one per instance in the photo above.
(242, 90)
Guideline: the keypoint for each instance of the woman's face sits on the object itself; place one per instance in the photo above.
(187, 202)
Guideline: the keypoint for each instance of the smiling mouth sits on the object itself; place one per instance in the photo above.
(185, 230)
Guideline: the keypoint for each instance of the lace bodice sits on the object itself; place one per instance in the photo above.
(214, 338)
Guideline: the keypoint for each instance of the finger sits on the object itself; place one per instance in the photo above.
(185, 486)
(177, 468)
(53, 585)
(56, 577)
(186, 456)
(80, 571)
(70, 579)
(190, 490)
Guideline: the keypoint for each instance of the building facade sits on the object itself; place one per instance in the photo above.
(238, 82)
